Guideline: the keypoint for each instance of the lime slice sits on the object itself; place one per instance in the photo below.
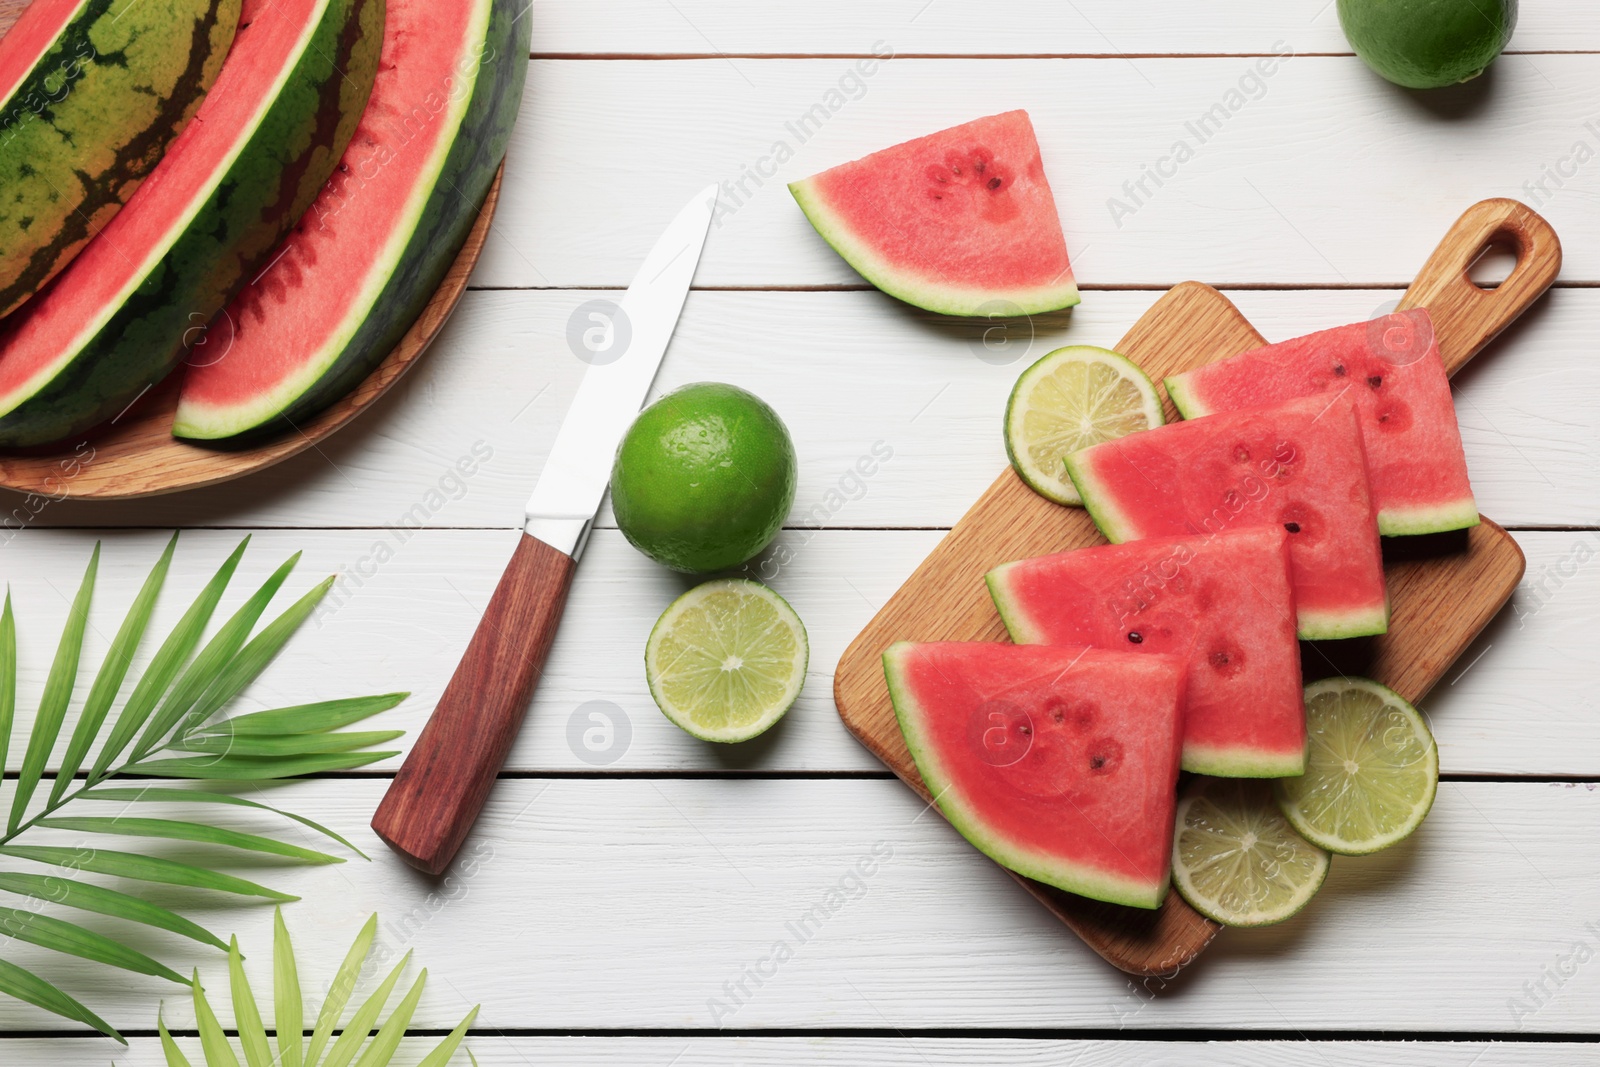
(726, 660)
(1236, 859)
(1073, 398)
(1372, 768)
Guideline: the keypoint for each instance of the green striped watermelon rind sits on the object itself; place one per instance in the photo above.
(226, 238)
(1198, 759)
(134, 77)
(1459, 514)
(920, 292)
(440, 225)
(1310, 625)
(1072, 877)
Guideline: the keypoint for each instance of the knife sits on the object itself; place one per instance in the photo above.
(432, 803)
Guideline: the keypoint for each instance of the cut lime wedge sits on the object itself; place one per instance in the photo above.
(1372, 768)
(1073, 398)
(726, 660)
(1236, 859)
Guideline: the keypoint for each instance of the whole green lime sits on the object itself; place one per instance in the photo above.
(1425, 44)
(704, 478)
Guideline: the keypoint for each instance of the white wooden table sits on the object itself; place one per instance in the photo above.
(613, 895)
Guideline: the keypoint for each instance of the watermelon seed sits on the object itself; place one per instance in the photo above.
(1292, 527)
(994, 183)
(1375, 381)
(1338, 370)
(1136, 637)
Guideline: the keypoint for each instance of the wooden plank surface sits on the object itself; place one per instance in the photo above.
(500, 378)
(1329, 176)
(939, 937)
(494, 1050)
(1516, 705)
(1003, 27)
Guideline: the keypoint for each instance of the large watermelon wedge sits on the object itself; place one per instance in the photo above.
(92, 92)
(268, 135)
(961, 222)
(1224, 604)
(1059, 763)
(1392, 369)
(1299, 465)
(359, 267)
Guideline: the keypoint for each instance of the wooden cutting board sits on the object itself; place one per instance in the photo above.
(1443, 588)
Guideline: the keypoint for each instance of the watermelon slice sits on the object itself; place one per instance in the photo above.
(92, 92)
(1299, 465)
(1059, 763)
(1224, 604)
(960, 222)
(120, 316)
(356, 272)
(1392, 369)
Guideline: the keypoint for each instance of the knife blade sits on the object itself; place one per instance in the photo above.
(446, 778)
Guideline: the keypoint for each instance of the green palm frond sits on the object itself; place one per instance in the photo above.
(172, 725)
(365, 1038)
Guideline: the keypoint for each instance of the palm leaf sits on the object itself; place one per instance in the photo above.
(57, 693)
(366, 1038)
(303, 719)
(86, 896)
(165, 729)
(174, 652)
(72, 939)
(160, 794)
(143, 868)
(8, 677)
(115, 668)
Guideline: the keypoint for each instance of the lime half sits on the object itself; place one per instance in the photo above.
(1372, 768)
(1073, 398)
(1236, 859)
(726, 660)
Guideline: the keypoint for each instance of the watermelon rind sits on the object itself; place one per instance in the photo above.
(92, 116)
(1030, 863)
(1011, 614)
(1187, 404)
(426, 237)
(1062, 491)
(1409, 522)
(943, 299)
(1336, 626)
(269, 176)
(1113, 525)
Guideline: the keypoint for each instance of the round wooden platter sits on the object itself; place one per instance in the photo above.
(136, 455)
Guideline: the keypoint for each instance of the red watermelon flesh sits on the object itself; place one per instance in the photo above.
(1392, 369)
(1299, 465)
(1058, 763)
(1222, 603)
(961, 222)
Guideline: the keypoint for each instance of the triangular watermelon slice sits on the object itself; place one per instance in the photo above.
(1223, 603)
(1058, 763)
(1392, 369)
(1300, 465)
(960, 222)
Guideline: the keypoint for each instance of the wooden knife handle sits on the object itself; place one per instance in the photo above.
(1466, 316)
(436, 797)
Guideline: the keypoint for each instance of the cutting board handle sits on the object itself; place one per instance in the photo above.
(1466, 316)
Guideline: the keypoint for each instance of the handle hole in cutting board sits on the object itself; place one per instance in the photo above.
(1494, 262)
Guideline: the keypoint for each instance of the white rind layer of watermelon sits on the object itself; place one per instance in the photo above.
(1086, 803)
(960, 222)
(367, 256)
(1392, 369)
